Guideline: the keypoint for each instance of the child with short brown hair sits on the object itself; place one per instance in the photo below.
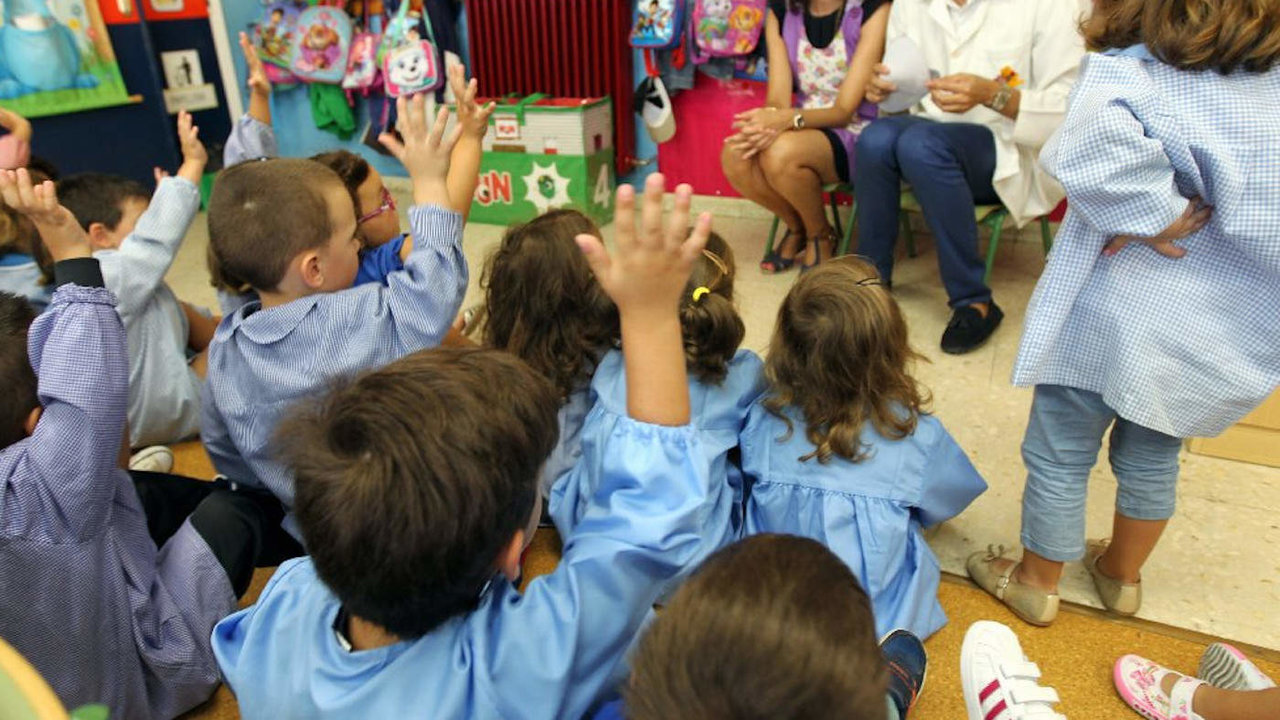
(841, 449)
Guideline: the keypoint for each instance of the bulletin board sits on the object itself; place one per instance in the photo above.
(55, 57)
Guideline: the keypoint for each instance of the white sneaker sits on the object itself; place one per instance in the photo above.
(157, 459)
(1223, 666)
(999, 682)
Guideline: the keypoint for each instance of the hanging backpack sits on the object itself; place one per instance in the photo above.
(409, 62)
(274, 39)
(658, 24)
(726, 28)
(362, 63)
(323, 35)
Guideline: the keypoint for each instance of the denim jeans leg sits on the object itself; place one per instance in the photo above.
(1059, 450)
(877, 187)
(949, 166)
(1145, 463)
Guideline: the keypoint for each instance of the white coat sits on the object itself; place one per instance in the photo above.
(1040, 40)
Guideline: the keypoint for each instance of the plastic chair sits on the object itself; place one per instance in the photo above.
(844, 231)
(24, 695)
(990, 216)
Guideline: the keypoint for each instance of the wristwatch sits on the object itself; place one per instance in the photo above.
(1001, 98)
(797, 122)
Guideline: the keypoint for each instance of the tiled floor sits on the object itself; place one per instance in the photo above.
(1218, 567)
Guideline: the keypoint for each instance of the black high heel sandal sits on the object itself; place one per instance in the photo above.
(773, 263)
(829, 236)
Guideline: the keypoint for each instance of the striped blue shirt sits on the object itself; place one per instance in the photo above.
(1187, 346)
(262, 361)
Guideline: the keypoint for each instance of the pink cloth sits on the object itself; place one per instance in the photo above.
(704, 118)
(14, 152)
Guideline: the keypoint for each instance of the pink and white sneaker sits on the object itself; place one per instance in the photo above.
(1226, 667)
(1139, 681)
(999, 682)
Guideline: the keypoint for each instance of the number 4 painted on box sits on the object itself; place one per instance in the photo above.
(604, 191)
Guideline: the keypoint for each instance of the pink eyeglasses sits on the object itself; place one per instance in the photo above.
(388, 205)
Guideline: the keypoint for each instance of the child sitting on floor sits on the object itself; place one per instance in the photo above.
(543, 304)
(724, 382)
(417, 493)
(841, 449)
(136, 236)
(774, 626)
(288, 227)
(84, 593)
(385, 246)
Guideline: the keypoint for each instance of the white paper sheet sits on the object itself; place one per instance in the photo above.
(907, 70)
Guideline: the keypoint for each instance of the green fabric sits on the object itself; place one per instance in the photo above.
(330, 111)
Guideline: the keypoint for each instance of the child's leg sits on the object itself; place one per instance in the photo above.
(200, 327)
(1145, 463)
(242, 528)
(1060, 448)
(167, 500)
(1213, 703)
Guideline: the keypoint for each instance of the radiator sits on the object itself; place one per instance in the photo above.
(564, 48)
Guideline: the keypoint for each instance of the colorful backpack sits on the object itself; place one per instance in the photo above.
(323, 35)
(409, 62)
(362, 63)
(274, 38)
(726, 28)
(658, 25)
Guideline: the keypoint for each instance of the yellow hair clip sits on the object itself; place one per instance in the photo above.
(698, 292)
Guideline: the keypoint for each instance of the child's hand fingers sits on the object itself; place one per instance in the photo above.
(402, 114)
(9, 188)
(1169, 250)
(394, 146)
(473, 88)
(457, 82)
(435, 139)
(454, 135)
(696, 241)
(26, 193)
(47, 193)
(1116, 245)
(678, 223)
(624, 217)
(417, 107)
(651, 211)
(597, 258)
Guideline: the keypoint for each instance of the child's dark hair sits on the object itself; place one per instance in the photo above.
(840, 355)
(1219, 35)
(542, 302)
(262, 214)
(411, 479)
(711, 326)
(40, 165)
(19, 397)
(98, 198)
(352, 168)
(774, 626)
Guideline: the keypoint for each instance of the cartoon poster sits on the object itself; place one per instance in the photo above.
(55, 57)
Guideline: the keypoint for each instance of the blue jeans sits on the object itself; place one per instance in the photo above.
(949, 167)
(1061, 446)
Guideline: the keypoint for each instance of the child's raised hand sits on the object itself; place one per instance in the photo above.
(16, 124)
(1193, 219)
(473, 118)
(424, 150)
(650, 265)
(258, 81)
(194, 156)
(58, 228)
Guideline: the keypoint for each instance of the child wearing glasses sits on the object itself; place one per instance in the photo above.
(841, 449)
(384, 245)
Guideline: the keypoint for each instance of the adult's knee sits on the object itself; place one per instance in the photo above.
(877, 144)
(925, 146)
(780, 158)
(736, 168)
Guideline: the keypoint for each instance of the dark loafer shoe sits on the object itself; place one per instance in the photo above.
(968, 329)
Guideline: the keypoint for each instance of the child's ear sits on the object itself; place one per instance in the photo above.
(29, 426)
(312, 270)
(100, 237)
(510, 555)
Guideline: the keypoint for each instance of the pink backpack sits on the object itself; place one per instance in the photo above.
(726, 28)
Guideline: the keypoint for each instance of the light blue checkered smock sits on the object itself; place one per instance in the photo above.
(1188, 346)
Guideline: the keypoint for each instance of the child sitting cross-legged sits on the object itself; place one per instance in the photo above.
(777, 627)
(724, 382)
(417, 492)
(84, 593)
(136, 236)
(841, 448)
(288, 227)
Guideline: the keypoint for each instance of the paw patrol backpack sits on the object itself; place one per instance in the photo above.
(322, 45)
(726, 28)
(658, 25)
(408, 60)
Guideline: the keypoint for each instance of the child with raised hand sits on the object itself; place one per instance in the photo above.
(429, 468)
(841, 448)
(84, 593)
(135, 237)
(385, 245)
(288, 227)
(1127, 330)
(724, 382)
(25, 267)
(15, 145)
(543, 304)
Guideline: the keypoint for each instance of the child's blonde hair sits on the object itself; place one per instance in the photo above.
(840, 355)
(709, 322)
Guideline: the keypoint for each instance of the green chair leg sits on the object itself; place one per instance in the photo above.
(835, 212)
(1046, 238)
(995, 222)
(847, 237)
(768, 246)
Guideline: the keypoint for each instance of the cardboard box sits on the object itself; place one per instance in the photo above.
(1255, 439)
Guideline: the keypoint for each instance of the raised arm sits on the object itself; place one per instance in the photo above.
(79, 354)
(252, 137)
(464, 163)
(15, 147)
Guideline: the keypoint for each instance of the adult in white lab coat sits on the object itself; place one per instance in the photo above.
(1004, 70)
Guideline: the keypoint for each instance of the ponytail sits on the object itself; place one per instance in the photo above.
(709, 322)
